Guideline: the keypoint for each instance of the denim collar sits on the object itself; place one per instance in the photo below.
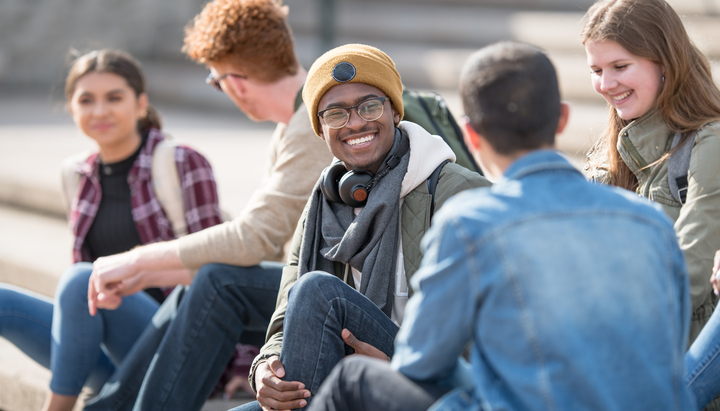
(537, 161)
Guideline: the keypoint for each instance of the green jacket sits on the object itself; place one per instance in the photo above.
(415, 221)
(697, 223)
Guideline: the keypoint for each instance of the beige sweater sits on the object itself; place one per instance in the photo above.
(260, 232)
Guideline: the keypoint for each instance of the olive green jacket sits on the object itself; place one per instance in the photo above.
(414, 222)
(697, 222)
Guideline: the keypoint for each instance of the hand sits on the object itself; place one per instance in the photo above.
(105, 285)
(715, 278)
(274, 393)
(362, 348)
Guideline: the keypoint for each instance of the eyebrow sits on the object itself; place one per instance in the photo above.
(114, 91)
(357, 101)
(610, 63)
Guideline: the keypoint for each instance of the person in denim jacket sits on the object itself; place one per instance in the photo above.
(573, 295)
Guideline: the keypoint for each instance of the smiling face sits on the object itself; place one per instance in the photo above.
(361, 145)
(629, 83)
(106, 109)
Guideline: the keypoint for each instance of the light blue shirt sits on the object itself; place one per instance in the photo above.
(574, 296)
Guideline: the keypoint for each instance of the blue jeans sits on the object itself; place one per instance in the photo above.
(186, 348)
(78, 348)
(320, 305)
(364, 384)
(702, 363)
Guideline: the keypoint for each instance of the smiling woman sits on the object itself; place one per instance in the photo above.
(662, 103)
(113, 207)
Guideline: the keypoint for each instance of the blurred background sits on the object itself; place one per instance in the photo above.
(429, 41)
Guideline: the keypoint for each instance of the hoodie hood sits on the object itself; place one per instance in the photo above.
(426, 153)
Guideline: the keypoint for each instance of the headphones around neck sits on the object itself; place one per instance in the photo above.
(345, 187)
(352, 188)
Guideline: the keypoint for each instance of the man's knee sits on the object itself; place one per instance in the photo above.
(73, 284)
(214, 275)
(313, 284)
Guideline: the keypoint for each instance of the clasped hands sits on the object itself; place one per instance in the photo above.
(275, 394)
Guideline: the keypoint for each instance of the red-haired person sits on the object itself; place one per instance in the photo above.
(248, 47)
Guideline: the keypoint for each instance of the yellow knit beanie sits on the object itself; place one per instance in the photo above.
(351, 63)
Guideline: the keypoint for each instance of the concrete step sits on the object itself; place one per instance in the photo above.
(477, 24)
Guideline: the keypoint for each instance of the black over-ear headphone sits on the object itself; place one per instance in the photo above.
(345, 187)
(353, 187)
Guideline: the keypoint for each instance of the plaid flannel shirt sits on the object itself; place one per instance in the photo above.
(200, 197)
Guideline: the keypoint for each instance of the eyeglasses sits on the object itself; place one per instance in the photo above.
(215, 82)
(369, 110)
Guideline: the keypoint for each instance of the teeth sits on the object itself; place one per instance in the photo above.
(356, 141)
(622, 96)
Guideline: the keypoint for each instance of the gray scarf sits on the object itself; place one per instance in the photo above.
(368, 242)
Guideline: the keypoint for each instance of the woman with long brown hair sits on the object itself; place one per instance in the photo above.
(663, 109)
(116, 198)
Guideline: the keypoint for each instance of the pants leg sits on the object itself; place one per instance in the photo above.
(120, 391)
(319, 306)
(25, 320)
(702, 363)
(224, 305)
(79, 339)
(366, 384)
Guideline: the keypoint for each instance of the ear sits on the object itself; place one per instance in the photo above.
(321, 133)
(396, 115)
(470, 135)
(564, 116)
(143, 103)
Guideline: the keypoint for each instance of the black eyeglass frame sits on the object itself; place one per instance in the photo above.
(215, 82)
(347, 110)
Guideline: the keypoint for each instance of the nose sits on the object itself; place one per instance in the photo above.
(100, 108)
(355, 120)
(607, 82)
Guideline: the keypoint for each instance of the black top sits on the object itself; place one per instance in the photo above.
(113, 230)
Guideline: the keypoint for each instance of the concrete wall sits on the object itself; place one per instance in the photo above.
(36, 35)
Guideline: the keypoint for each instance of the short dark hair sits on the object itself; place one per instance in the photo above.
(510, 93)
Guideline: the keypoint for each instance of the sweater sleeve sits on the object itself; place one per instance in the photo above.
(267, 222)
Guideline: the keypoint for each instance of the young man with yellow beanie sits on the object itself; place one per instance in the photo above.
(357, 244)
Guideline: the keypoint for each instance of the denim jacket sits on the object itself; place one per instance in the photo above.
(697, 222)
(574, 295)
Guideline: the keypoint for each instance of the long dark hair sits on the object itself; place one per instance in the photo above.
(116, 62)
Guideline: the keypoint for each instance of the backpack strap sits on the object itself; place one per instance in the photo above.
(298, 98)
(71, 178)
(432, 185)
(167, 187)
(678, 165)
(165, 182)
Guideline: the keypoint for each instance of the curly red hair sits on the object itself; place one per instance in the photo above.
(253, 33)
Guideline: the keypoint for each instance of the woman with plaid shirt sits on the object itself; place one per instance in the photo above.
(115, 208)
